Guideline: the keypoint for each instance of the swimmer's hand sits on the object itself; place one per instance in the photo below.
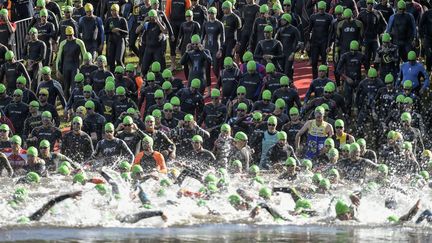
(355, 200)
(76, 195)
(164, 217)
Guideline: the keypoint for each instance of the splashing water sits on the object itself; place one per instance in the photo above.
(95, 210)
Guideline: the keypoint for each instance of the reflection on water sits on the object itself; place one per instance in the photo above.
(221, 233)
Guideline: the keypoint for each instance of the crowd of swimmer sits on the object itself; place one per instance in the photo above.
(155, 126)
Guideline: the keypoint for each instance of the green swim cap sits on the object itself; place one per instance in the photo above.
(372, 73)
(89, 104)
(265, 192)
(401, 5)
(270, 67)
(287, 17)
(333, 153)
(282, 135)
(152, 13)
(227, 4)
(266, 95)
(335, 173)
(167, 74)
(225, 128)
(247, 56)
(382, 168)
(241, 89)
(338, 9)
(240, 136)
(124, 165)
(290, 162)
(196, 83)
(341, 207)
(130, 67)
(307, 163)
(156, 67)
(302, 204)
(161, 192)
(228, 62)
(80, 178)
(88, 88)
(109, 127)
(264, 8)
(64, 170)
(361, 142)
(166, 85)
(268, 28)
(210, 178)
(294, 111)
(109, 86)
(165, 182)
(188, 118)
(280, 103)
(215, 93)
(330, 142)
(412, 56)
(4, 127)
(195, 39)
(43, 13)
(329, 87)
(316, 178)
(22, 80)
(16, 139)
(354, 147)
(325, 184)
(150, 76)
(32, 151)
(347, 13)
(257, 116)
(119, 69)
(284, 81)
(254, 169)
(33, 176)
(320, 109)
(408, 100)
(46, 70)
(120, 90)
(323, 68)
(137, 169)
(197, 139)
(9, 55)
(339, 123)
(175, 101)
(251, 66)
(354, 45)
(234, 199)
(407, 145)
(158, 94)
(386, 37)
(406, 117)
(407, 84)
(102, 58)
(156, 113)
(272, 120)
(148, 140)
(212, 10)
(393, 219)
(322, 5)
(242, 106)
(237, 163)
(101, 189)
(389, 78)
(127, 120)
(79, 77)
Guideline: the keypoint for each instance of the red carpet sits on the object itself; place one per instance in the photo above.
(302, 76)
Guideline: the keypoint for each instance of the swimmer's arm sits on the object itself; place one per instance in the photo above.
(4, 163)
(411, 213)
(329, 130)
(42, 211)
(142, 215)
(300, 133)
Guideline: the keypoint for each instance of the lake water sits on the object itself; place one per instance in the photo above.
(222, 233)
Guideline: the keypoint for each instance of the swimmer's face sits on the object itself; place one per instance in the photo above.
(196, 145)
(281, 143)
